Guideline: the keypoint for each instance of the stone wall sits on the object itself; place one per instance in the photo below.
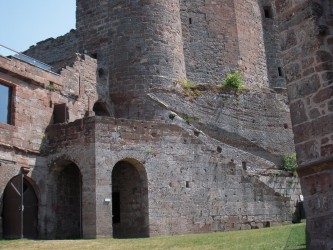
(275, 70)
(252, 57)
(192, 186)
(212, 174)
(306, 37)
(215, 35)
(223, 36)
(252, 121)
(55, 51)
(210, 39)
(34, 94)
(77, 137)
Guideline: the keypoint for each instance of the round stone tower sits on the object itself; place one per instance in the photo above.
(146, 52)
(144, 49)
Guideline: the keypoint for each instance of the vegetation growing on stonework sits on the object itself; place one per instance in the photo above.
(190, 89)
(51, 86)
(234, 80)
(289, 162)
(188, 119)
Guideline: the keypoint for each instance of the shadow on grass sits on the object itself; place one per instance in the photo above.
(296, 239)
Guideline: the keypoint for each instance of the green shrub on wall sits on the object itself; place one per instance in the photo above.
(289, 162)
(234, 80)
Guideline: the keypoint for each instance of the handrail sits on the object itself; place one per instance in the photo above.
(28, 59)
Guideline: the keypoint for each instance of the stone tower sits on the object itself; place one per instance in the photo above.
(138, 45)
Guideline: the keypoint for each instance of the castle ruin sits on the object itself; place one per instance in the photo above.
(111, 144)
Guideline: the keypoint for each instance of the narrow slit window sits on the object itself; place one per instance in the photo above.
(268, 12)
(5, 104)
(280, 71)
(190, 20)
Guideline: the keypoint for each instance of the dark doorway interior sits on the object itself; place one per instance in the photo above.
(68, 202)
(12, 209)
(100, 109)
(130, 201)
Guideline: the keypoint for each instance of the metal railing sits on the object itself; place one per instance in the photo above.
(9, 53)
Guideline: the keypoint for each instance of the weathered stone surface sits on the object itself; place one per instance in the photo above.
(311, 97)
(209, 163)
(190, 192)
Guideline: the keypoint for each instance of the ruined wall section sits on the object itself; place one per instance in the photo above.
(210, 39)
(306, 39)
(66, 142)
(55, 51)
(34, 94)
(192, 187)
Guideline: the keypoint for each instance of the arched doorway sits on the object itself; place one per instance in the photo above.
(130, 200)
(67, 206)
(17, 188)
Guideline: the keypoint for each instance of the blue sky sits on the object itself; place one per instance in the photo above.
(25, 22)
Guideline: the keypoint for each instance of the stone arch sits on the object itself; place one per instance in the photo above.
(67, 199)
(130, 200)
(11, 213)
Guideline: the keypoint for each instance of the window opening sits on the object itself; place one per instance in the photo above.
(60, 113)
(100, 109)
(94, 55)
(190, 20)
(280, 71)
(5, 100)
(268, 12)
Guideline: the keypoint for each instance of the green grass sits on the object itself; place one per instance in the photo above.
(285, 237)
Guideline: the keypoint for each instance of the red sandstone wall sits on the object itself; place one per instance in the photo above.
(33, 102)
(55, 51)
(306, 37)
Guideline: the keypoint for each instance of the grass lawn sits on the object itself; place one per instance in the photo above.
(284, 237)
